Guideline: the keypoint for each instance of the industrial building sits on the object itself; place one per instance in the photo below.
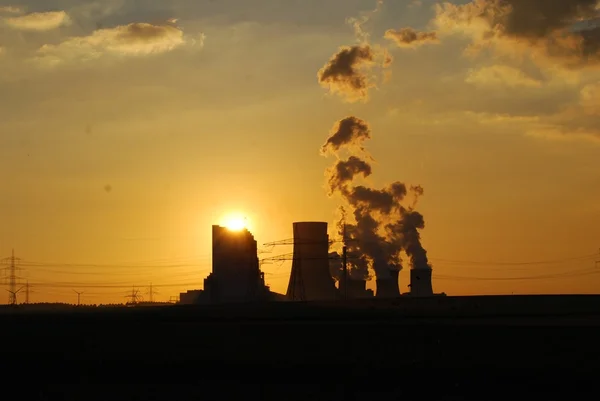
(310, 278)
(236, 276)
(190, 297)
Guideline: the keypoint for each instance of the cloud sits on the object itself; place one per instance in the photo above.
(43, 21)
(551, 32)
(409, 37)
(358, 24)
(501, 75)
(590, 99)
(10, 10)
(344, 73)
(560, 134)
(577, 121)
(135, 39)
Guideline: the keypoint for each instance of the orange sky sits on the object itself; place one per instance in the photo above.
(126, 132)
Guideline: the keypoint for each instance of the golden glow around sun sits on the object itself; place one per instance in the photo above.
(235, 222)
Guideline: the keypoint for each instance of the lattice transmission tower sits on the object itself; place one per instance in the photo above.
(12, 277)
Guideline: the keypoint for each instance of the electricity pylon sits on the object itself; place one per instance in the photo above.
(12, 277)
(151, 293)
(135, 297)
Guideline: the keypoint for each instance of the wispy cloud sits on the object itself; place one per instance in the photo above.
(501, 75)
(43, 21)
(409, 37)
(10, 10)
(135, 39)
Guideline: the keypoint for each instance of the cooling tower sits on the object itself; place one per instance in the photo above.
(310, 279)
(420, 283)
(388, 287)
(357, 288)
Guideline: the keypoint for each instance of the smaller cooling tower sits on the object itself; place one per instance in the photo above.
(388, 287)
(355, 288)
(420, 283)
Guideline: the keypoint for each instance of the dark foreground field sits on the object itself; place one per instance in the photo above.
(448, 348)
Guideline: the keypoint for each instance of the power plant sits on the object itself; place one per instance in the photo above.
(236, 276)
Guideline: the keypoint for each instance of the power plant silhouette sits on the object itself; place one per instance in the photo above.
(236, 276)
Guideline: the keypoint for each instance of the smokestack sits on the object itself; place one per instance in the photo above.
(388, 287)
(420, 283)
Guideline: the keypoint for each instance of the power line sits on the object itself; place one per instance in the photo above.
(541, 262)
(575, 273)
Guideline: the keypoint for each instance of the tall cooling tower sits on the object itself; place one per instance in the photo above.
(357, 288)
(420, 282)
(310, 279)
(388, 287)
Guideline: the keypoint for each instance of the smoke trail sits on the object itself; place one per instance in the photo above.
(383, 226)
(347, 72)
(362, 36)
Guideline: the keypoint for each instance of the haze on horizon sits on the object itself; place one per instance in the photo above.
(128, 128)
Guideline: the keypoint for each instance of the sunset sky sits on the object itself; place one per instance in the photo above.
(129, 127)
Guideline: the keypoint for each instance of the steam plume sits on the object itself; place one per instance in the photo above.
(348, 131)
(344, 72)
(383, 226)
(347, 72)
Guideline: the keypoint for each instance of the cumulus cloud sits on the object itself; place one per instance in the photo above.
(501, 75)
(135, 39)
(409, 37)
(42, 21)
(559, 31)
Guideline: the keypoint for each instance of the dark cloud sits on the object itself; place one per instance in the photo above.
(555, 29)
(409, 37)
(345, 72)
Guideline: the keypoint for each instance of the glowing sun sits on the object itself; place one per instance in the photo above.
(235, 223)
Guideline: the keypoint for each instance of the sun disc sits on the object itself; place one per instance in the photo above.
(235, 223)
